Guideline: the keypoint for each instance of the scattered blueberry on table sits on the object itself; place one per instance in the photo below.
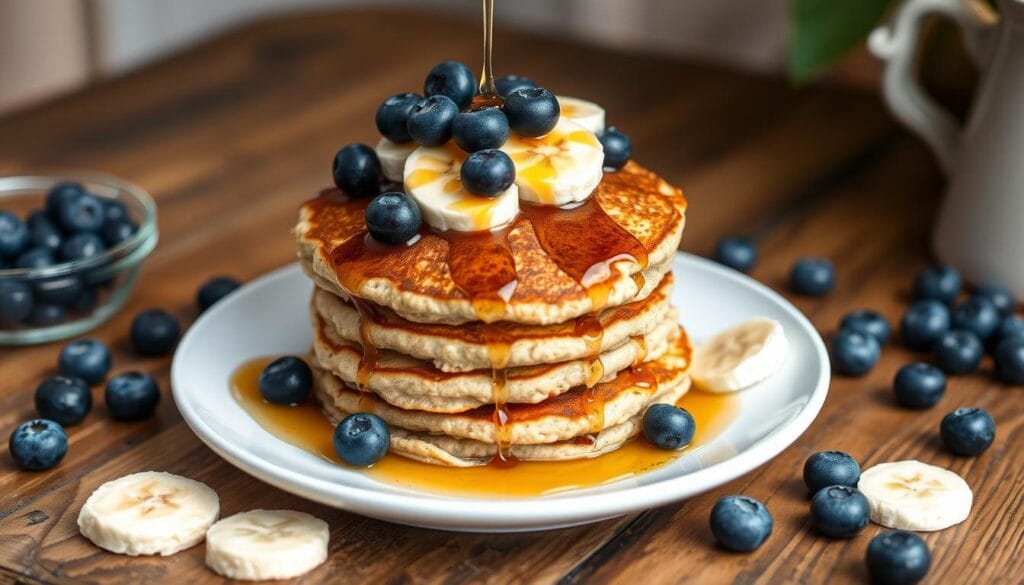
(532, 111)
(38, 444)
(154, 332)
(393, 218)
(839, 511)
(740, 523)
(286, 380)
(958, 351)
(617, 147)
(854, 353)
(939, 282)
(63, 399)
(393, 115)
(215, 289)
(480, 129)
(919, 385)
(1009, 360)
(132, 396)
(1010, 326)
(967, 431)
(356, 170)
(999, 296)
(736, 252)
(897, 557)
(978, 315)
(867, 322)
(812, 277)
(828, 468)
(487, 173)
(361, 439)
(667, 426)
(453, 80)
(430, 120)
(87, 359)
(923, 323)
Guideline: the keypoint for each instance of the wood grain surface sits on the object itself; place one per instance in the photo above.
(232, 135)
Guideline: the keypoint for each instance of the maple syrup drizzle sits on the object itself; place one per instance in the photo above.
(487, 73)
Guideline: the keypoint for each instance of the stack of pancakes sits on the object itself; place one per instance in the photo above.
(476, 346)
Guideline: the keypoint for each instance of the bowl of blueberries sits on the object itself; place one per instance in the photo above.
(71, 246)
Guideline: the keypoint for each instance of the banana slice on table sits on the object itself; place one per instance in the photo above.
(561, 167)
(586, 114)
(432, 180)
(740, 356)
(911, 495)
(266, 544)
(149, 513)
(392, 158)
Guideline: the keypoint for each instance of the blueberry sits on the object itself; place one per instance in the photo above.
(34, 258)
(827, 468)
(214, 290)
(919, 385)
(999, 296)
(839, 511)
(967, 431)
(667, 426)
(132, 396)
(431, 119)
(1009, 359)
(47, 315)
(487, 173)
(42, 233)
(357, 170)
(81, 214)
(88, 359)
(114, 210)
(480, 129)
(154, 332)
(812, 277)
(978, 315)
(939, 282)
(86, 300)
(1010, 326)
(38, 444)
(854, 353)
(532, 112)
(867, 322)
(736, 252)
(286, 380)
(958, 352)
(617, 147)
(63, 399)
(14, 236)
(453, 80)
(59, 195)
(393, 218)
(896, 557)
(509, 83)
(923, 323)
(393, 115)
(740, 523)
(361, 439)
(60, 290)
(81, 246)
(15, 302)
(117, 231)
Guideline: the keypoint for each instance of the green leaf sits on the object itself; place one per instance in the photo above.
(821, 31)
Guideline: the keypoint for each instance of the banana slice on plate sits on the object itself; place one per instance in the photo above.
(149, 513)
(561, 167)
(432, 180)
(911, 495)
(392, 158)
(266, 544)
(740, 356)
(586, 114)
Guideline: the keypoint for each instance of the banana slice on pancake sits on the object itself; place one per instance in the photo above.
(392, 158)
(561, 167)
(432, 180)
(740, 356)
(266, 544)
(586, 114)
(911, 495)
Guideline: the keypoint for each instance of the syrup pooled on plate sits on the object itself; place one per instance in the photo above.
(305, 427)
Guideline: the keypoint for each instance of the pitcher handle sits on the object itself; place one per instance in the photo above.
(896, 43)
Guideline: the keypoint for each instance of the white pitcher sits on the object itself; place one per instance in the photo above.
(980, 229)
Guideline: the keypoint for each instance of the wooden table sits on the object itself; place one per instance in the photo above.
(231, 136)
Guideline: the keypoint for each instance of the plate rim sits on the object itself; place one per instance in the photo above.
(514, 514)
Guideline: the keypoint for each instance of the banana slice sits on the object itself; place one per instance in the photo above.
(910, 495)
(586, 114)
(432, 179)
(392, 158)
(561, 167)
(149, 513)
(740, 356)
(266, 544)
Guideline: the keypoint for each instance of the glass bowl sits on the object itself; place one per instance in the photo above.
(82, 293)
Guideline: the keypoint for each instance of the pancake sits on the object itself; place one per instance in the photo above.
(548, 266)
(415, 384)
(467, 347)
(580, 411)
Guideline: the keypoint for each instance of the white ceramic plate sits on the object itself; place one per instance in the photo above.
(270, 316)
